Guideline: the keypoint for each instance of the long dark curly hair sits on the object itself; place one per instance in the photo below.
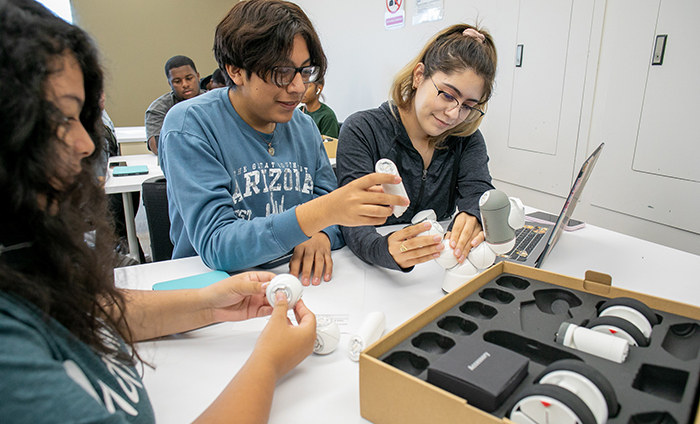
(61, 253)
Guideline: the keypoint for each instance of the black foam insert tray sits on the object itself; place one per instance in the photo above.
(656, 384)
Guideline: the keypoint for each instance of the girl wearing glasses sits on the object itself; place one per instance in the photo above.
(248, 178)
(429, 129)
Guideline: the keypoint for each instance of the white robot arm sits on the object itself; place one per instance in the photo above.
(500, 217)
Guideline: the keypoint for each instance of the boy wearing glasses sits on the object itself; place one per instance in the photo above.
(248, 178)
(429, 128)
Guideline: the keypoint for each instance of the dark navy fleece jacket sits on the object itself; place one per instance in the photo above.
(367, 136)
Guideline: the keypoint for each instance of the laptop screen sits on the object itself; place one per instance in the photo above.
(571, 202)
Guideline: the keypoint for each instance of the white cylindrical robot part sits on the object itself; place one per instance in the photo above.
(447, 258)
(458, 275)
(611, 330)
(500, 249)
(599, 344)
(386, 166)
(426, 215)
(327, 335)
(369, 332)
(516, 217)
(482, 256)
(287, 283)
(435, 230)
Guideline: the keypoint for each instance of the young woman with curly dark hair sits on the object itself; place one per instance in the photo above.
(66, 332)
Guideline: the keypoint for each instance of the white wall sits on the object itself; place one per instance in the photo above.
(363, 57)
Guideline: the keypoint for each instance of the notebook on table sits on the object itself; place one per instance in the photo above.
(534, 242)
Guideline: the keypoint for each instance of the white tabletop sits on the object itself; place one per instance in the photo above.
(130, 134)
(131, 183)
(191, 369)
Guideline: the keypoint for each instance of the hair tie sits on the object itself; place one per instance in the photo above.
(471, 32)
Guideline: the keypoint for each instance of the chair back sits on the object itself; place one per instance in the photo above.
(155, 200)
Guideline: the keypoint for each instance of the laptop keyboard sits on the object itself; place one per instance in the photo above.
(526, 239)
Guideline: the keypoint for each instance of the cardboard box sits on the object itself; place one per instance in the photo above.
(389, 395)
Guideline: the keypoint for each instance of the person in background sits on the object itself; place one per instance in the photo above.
(429, 129)
(323, 116)
(67, 333)
(249, 180)
(116, 201)
(217, 80)
(183, 79)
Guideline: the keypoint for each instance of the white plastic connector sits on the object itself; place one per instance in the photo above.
(287, 283)
(327, 335)
(426, 215)
(434, 230)
(447, 258)
(482, 256)
(369, 332)
(458, 275)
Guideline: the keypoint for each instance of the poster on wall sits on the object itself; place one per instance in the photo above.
(394, 16)
(428, 11)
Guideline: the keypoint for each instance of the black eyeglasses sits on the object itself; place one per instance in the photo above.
(447, 102)
(284, 75)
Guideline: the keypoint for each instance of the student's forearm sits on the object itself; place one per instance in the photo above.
(152, 314)
(314, 216)
(247, 398)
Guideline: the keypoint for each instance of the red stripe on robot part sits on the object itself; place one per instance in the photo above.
(612, 331)
(546, 404)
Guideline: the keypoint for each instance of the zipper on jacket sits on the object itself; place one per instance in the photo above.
(422, 186)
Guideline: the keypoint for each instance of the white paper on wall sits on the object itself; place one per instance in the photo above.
(428, 10)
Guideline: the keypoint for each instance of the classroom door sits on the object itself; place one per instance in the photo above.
(646, 112)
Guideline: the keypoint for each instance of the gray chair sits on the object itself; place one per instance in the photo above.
(155, 200)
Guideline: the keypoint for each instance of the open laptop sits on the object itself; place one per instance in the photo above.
(534, 242)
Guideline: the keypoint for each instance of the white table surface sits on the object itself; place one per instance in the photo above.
(132, 183)
(130, 134)
(191, 369)
(128, 184)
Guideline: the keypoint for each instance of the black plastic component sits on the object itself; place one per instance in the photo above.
(482, 373)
